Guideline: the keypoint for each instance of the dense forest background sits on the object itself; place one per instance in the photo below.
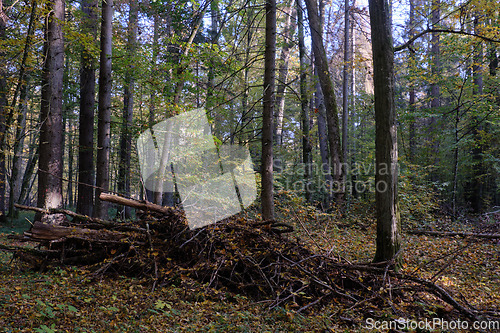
(80, 80)
(374, 131)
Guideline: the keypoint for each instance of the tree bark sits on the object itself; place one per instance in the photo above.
(477, 151)
(247, 113)
(29, 171)
(15, 177)
(386, 151)
(150, 195)
(412, 129)
(435, 86)
(214, 39)
(321, 118)
(267, 197)
(345, 83)
(17, 161)
(304, 114)
(72, 143)
(85, 200)
(104, 110)
(435, 50)
(146, 206)
(289, 29)
(3, 103)
(128, 112)
(51, 132)
(329, 99)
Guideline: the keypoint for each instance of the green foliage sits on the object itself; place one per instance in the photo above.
(46, 329)
(418, 200)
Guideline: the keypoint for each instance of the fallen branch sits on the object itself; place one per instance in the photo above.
(48, 232)
(142, 205)
(441, 293)
(453, 234)
(95, 220)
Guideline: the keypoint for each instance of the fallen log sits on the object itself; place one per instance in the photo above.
(453, 234)
(48, 232)
(142, 205)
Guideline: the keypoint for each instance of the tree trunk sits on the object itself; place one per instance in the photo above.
(289, 29)
(29, 171)
(329, 99)
(150, 195)
(17, 161)
(477, 151)
(51, 132)
(352, 116)
(435, 50)
(3, 103)
(15, 178)
(85, 200)
(71, 139)
(412, 138)
(214, 38)
(386, 151)
(435, 86)
(104, 110)
(128, 113)
(304, 114)
(247, 113)
(345, 84)
(322, 128)
(267, 197)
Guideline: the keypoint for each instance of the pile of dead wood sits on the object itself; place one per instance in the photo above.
(237, 255)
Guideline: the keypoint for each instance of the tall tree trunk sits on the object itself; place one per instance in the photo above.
(329, 99)
(352, 116)
(9, 117)
(29, 171)
(435, 51)
(51, 114)
(321, 117)
(412, 138)
(455, 159)
(3, 103)
(15, 178)
(128, 113)
(104, 110)
(85, 200)
(289, 29)
(267, 197)
(150, 195)
(214, 39)
(304, 114)
(17, 161)
(345, 84)
(386, 151)
(435, 85)
(71, 139)
(247, 113)
(477, 151)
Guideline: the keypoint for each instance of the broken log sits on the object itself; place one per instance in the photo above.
(48, 232)
(453, 234)
(142, 205)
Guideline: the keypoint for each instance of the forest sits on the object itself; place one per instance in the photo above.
(294, 165)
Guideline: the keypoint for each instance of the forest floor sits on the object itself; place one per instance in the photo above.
(67, 299)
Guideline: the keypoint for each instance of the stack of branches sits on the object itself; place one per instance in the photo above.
(237, 255)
